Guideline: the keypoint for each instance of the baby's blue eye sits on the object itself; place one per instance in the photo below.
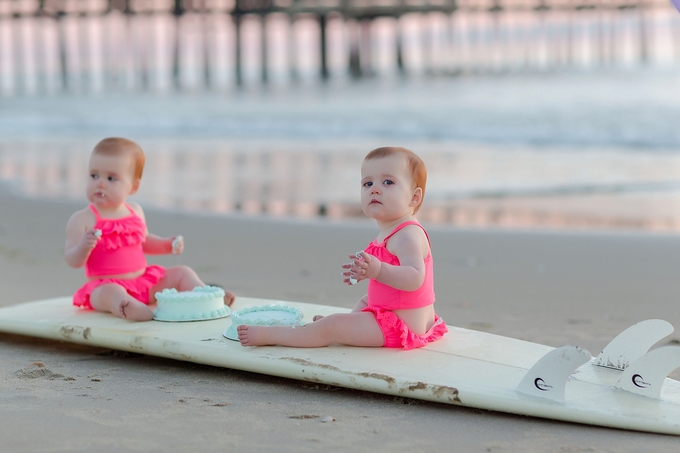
(388, 182)
(368, 184)
(111, 178)
(93, 176)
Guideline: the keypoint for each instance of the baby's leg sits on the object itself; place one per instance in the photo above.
(183, 278)
(114, 299)
(354, 329)
(360, 305)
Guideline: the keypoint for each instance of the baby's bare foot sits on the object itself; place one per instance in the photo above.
(251, 335)
(134, 311)
(229, 298)
(317, 317)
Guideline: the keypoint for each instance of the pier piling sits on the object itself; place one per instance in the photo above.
(436, 38)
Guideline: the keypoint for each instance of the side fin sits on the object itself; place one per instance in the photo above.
(633, 343)
(548, 377)
(646, 375)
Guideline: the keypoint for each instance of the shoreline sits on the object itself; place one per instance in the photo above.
(548, 287)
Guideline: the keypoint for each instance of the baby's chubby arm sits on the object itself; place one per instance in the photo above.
(411, 247)
(156, 245)
(81, 238)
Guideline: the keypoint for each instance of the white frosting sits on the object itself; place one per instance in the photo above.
(176, 243)
(265, 315)
(203, 302)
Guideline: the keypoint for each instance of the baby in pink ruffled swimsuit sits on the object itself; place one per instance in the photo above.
(110, 239)
(398, 311)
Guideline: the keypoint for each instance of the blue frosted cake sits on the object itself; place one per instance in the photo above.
(265, 315)
(202, 303)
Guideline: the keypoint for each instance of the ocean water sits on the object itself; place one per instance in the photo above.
(590, 145)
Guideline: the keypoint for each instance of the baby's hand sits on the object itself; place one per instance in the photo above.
(177, 245)
(362, 266)
(370, 265)
(90, 238)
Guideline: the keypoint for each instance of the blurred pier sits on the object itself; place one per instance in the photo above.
(94, 45)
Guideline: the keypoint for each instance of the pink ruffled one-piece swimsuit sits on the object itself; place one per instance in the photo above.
(119, 251)
(382, 299)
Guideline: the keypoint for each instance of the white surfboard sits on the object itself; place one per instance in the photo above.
(466, 367)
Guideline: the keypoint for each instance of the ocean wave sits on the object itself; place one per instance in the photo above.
(625, 110)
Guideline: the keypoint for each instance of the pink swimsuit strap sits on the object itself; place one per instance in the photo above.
(98, 217)
(400, 227)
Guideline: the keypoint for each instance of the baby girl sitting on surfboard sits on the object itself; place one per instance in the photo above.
(110, 238)
(398, 311)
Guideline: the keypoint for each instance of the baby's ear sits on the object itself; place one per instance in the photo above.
(135, 186)
(417, 197)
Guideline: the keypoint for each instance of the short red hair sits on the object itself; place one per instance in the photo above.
(116, 146)
(415, 163)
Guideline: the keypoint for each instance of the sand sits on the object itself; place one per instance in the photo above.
(553, 288)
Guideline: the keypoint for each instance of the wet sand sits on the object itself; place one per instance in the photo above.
(549, 287)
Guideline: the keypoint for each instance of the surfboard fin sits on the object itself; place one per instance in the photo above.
(548, 377)
(646, 375)
(633, 343)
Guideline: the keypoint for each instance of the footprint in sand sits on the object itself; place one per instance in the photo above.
(38, 370)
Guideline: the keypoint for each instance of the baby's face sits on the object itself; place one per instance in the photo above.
(110, 180)
(387, 188)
